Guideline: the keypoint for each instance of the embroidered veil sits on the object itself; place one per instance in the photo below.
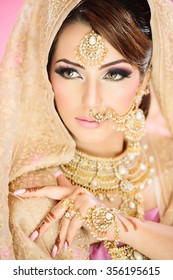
(32, 137)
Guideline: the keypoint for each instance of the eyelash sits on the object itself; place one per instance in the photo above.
(121, 72)
(62, 71)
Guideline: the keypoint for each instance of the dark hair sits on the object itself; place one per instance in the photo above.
(124, 24)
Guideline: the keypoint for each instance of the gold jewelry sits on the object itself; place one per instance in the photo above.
(123, 176)
(69, 215)
(67, 202)
(91, 52)
(133, 122)
(99, 220)
(124, 252)
(100, 117)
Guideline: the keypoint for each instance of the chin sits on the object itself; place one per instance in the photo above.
(89, 138)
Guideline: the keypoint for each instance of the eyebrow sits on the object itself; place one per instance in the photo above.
(103, 66)
(115, 62)
(69, 62)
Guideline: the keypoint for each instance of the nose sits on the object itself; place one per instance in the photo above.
(92, 96)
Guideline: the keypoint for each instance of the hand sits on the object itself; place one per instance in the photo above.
(63, 189)
(83, 200)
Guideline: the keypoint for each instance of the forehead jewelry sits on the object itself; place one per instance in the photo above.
(91, 52)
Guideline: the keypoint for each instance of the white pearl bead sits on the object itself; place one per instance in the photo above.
(152, 170)
(131, 156)
(94, 182)
(137, 255)
(122, 170)
(92, 40)
(139, 115)
(109, 216)
(143, 167)
(132, 205)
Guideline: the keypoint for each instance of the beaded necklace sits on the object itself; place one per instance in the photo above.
(124, 176)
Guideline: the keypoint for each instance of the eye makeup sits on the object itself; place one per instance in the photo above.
(117, 74)
(67, 72)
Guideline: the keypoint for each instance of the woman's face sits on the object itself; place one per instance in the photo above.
(78, 89)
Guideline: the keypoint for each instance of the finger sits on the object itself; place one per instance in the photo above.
(72, 230)
(62, 234)
(61, 179)
(53, 192)
(55, 214)
(66, 222)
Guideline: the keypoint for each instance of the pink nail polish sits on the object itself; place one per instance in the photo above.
(21, 191)
(58, 173)
(54, 250)
(34, 235)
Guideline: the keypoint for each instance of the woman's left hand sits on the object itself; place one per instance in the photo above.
(70, 222)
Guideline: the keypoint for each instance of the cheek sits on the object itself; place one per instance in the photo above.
(63, 96)
(123, 97)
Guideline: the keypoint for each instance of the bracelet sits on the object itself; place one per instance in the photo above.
(99, 220)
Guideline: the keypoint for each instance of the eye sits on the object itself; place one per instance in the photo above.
(68, 73)
(117, 74)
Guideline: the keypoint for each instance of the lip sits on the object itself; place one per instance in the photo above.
(87, 122)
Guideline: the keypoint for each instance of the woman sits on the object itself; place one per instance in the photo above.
(82, 176)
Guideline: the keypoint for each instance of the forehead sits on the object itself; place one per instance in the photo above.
(70, 39)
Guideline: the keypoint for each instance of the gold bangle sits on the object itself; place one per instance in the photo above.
(99, 220)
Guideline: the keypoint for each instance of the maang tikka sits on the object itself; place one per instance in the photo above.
(91, 52)
(133, 122)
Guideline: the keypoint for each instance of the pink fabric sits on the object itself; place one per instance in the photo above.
(152, 215)
(98, 250)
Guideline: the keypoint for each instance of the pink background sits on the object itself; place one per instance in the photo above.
(9, 10)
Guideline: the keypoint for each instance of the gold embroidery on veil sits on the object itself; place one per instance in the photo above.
(26, 148)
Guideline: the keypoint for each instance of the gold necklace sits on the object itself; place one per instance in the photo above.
(124, 176)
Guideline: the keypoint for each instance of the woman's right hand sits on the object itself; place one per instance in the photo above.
(63, 189)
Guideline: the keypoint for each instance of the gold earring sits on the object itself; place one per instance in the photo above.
(91, 52)
(133, 122)
(134, 126)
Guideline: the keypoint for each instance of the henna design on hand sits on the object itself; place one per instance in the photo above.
(133, 223)
(130, 221)
(50, 216)
(34, 189)
(58, 241)
(123, 224)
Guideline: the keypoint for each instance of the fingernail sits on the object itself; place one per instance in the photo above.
(58, 173)
(34, 235)
(21, 191)
(66, 245)
(54, 251)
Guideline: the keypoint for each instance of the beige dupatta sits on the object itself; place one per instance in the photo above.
(36, 139)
